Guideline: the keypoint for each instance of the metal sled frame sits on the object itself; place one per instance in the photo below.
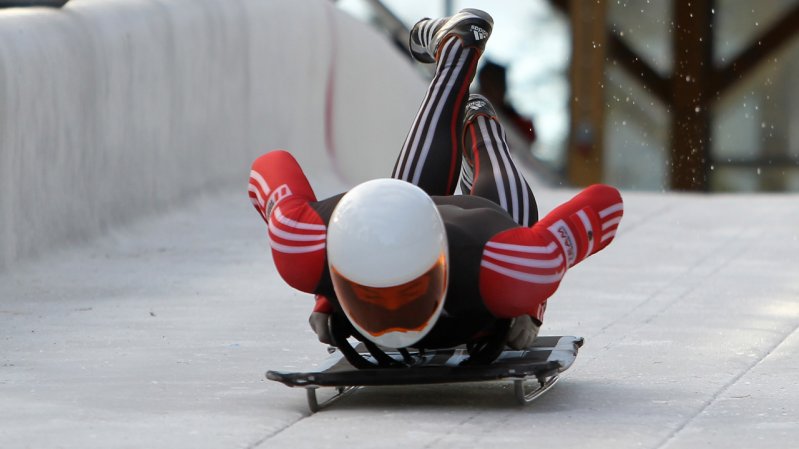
(525, 397)
(521, 394)
(480, 352)
(313, 403)
(534, 371)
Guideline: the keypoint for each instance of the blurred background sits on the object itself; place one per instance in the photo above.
(137, 106)
(643, 94)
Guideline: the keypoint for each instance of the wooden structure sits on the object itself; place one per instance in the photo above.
(585, 157)
(688, 92)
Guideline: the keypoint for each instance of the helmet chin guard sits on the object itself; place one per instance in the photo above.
(388, 258)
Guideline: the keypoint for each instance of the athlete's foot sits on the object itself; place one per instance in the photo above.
(471, 26)
(476, 106)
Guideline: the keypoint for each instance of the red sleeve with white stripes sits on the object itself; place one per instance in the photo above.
(274, 177)
(322, 305)
(298, 237)
(281, 193)
(522, 267)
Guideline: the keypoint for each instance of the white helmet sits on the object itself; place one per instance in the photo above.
(388, 257)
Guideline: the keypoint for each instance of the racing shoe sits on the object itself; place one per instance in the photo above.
(472, 26)
(477, 105)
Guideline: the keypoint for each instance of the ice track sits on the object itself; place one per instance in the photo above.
(158, 336)
(156, 331)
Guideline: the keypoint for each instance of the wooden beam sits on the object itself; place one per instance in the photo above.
(761, 48)
(775, 129)
(638, 68)
(585, 158)
(691, 83)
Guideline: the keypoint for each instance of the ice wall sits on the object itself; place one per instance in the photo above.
(114, 110)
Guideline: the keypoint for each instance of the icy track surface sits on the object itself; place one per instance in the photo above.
(158, 336)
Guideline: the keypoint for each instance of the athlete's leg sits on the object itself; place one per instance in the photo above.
(488, 169)
(430, 157)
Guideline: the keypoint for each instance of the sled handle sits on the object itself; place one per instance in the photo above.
(487, 350)
(340, 329)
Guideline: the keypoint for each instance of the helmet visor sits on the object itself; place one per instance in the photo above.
(409, 307)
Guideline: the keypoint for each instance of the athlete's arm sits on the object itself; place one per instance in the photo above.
(522, 267)
(282, 196)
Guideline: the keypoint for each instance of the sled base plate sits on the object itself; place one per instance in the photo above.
(542, 363)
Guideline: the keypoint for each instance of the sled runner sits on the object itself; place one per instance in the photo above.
(533, 370)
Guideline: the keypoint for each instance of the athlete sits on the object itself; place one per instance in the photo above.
(409, 263)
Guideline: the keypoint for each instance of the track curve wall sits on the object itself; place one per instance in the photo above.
(110, 111)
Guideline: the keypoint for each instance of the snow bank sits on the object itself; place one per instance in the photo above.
(110, 111)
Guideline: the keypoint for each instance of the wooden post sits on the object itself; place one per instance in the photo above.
(775, 128)
(585, 159)
(691, 94)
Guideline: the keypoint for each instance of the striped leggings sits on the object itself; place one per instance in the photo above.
(432, 154)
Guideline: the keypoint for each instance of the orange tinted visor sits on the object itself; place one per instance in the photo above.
(405, 307)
